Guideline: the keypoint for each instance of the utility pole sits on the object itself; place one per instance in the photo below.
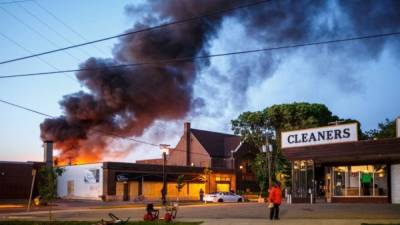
(32, 186)
(268, 148)
(164, 150)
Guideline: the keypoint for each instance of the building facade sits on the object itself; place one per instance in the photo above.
(330, 164)
(137, 182)
(16, 179)
(201, 148)
(226, 159)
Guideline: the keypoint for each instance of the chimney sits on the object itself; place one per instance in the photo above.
(186, 133)
(48, 153)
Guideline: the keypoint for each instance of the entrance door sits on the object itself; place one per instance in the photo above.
(70, 188)
(303, 187)
(320, 184)
(126, 191)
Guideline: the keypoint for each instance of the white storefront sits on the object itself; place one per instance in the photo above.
(330, 164)
(81, 182)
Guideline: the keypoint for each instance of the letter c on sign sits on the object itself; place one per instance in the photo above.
(289, 139)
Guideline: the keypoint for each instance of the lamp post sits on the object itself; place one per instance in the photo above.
(165, 150)
(267, 148)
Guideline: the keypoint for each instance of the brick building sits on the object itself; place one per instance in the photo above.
(223, 154)
(16, 179)
(201, 148)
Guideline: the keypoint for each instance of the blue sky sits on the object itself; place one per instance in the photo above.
(366, 90)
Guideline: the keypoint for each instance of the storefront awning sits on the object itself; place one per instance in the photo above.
(378, 151)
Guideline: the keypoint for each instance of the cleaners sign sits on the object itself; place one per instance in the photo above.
(320, 136)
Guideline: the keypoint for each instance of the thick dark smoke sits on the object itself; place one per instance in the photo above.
(126, 101)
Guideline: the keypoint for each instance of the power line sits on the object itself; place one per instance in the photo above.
(66, 25)
(37, 33)
(191, 59)
(190, 19)
(25, 108)
(13, 2)
(30, 52)
(97, 130)
(50, 27)
(94, 129)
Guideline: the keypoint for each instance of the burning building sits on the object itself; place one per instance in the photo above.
(224, 154)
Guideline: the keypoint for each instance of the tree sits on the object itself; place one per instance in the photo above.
(179, 185)
(386, 129)
(259, 168)
(251, 126)
(47, 184)
(254, 126)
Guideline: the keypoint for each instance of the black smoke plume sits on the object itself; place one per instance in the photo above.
(125, 101)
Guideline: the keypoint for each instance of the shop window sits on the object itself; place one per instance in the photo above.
(364, 180)
(219, 178)
(340, 175)
(222, 187)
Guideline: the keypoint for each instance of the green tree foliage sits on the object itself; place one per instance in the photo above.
(259, 168)
(47, 184)
(386, 129)
(253, 127)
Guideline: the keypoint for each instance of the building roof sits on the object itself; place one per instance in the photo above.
(216, 144)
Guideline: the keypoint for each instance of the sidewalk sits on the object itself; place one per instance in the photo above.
(239, 213)
(294, 221)
(20, 206)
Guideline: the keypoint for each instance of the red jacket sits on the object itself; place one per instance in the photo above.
(275, 195)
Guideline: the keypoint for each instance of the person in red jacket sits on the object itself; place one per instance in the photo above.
(275, 200)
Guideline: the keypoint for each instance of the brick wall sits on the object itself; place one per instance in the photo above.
(16, 180)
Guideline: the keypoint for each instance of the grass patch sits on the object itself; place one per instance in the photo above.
(89, 223)
(380, 224)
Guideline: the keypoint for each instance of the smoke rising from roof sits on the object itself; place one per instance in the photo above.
(126, 101)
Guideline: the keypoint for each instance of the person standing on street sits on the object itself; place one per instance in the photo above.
(275, 200)
(201, 195)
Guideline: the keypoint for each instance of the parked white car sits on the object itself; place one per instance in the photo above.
(223, 197)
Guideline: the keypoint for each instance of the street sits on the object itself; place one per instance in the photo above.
(239, 213)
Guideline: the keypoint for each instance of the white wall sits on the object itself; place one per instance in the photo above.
(83, 183)
(395, 174)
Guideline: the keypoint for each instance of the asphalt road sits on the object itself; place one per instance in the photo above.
(241, 211)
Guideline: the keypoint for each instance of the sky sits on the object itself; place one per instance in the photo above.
(347, 78)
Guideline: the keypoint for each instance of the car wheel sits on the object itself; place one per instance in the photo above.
(220, 200)
(240, 200)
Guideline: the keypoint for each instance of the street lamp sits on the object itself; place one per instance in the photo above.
(164, 150)
(267, 148)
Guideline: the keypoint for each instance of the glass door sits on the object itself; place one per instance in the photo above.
(303, 180)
